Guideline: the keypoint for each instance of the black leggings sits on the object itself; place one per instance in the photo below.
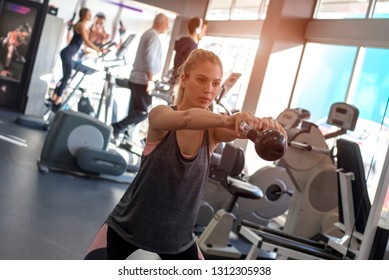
(139, 104)
(119, 249)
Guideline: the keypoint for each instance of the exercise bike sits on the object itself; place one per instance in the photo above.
(314, 205)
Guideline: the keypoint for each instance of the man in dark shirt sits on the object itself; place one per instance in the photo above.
(197, 28)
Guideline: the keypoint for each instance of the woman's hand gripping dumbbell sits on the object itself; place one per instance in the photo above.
(270, 144)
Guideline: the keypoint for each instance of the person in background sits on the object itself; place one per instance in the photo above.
(80, 36)
(147, 63)
(97, 35)
(158, 211)
(197, 29)
(10, 43)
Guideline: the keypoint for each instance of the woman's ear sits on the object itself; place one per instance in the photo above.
(183, 80)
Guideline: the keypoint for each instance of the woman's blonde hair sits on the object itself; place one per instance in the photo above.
(197, 56)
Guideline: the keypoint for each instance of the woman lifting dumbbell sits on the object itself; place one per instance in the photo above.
(158, 211)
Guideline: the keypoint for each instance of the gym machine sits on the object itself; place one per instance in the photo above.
(79, 143)
(293, 120)
(81, 70)
(110, 80)
(314, 208)
(354, 211)
(314, 205)
(270, 145)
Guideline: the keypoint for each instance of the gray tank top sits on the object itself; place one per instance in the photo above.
(159, 209)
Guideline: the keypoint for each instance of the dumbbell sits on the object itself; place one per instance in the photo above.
(270, 144)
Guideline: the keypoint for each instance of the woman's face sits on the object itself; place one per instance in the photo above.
(88, 15)
(203, 32)
(98, 22)
(203, 85)
(23, 35)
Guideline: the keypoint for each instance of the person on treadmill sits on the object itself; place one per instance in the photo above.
(80, 36)
(158, 211)
(147, 63)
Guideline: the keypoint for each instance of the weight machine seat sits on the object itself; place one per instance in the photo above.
(243, 189)
(232, 160)
(231, 165)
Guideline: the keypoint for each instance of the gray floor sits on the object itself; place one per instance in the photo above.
(46, 217)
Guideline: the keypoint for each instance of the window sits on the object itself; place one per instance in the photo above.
(371, 91)
(219, 9)
(341, 9)
(381, 9)
(330, 74)
(247, 9)
(237, 55)
(323, 78)
(370, 94)
(237, 9)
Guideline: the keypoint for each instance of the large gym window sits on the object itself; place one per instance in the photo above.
(342, 9)
(381, 9)
(323, 78)
(237, 9)
(370, 94)
(237, 56)
(249, 9)
(370, 91)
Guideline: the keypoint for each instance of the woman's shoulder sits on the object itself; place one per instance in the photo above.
(161, 108)
(78, 27)
(13, 34)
